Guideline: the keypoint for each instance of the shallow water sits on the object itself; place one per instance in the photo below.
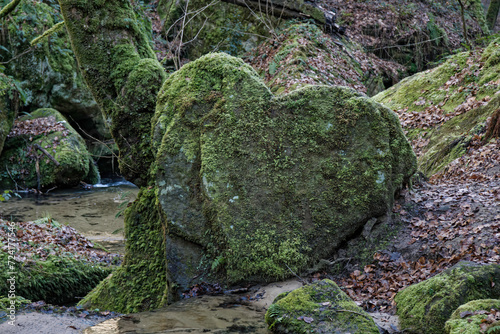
(236, 313)
(92, 212)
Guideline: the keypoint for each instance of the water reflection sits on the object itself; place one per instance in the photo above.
(92, 212)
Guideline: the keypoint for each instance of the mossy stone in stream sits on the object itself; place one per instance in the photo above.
(251, 184)
(320, 307)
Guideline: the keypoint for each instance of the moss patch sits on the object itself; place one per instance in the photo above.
(471, 322)
(318, 308)
(426, 306)
(58, 280)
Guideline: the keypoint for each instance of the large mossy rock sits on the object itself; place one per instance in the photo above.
(468, 318)
(425, 307)
(48, 69)
(318, 308)
(302, 54)
(251, 184)
(450, 104)
(48, 129)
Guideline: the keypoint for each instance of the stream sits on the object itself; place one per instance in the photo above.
(91, 212)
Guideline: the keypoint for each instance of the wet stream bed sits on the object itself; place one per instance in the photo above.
(92, 212)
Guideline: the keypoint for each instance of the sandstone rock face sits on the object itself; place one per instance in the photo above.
(426, 306)
(251, 185)
(318, 308)
(48, 129)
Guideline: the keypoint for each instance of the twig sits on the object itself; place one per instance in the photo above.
(10, 175)
(19, 55)
(400, 46)
(294, 274)
(50, 189)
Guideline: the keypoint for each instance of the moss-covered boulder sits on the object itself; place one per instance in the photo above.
(425, 307)
(446, 106)
(318, 308)
(64, 163)
(251, 184)
(48, 69)
(302, 54)
(471, 318)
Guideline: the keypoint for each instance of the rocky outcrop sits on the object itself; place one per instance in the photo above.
(321, 307)
(65, 162)
(425, 307)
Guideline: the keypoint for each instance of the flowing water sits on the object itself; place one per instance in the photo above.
(92, 212)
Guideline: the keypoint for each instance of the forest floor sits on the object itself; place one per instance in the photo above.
(454, 216)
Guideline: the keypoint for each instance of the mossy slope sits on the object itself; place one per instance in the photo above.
(471, 324)
(462, 91)
(59, 278)
(18, 160)
(320, 307)
(262, 183)
(302, 54)
(425, 307)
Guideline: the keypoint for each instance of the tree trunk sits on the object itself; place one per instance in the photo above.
(121, 70)
(491, 16)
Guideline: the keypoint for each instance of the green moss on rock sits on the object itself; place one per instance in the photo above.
(320, 307)
(426, 306)
(140, 283)
(261, 183)
(56, 136)
(471, 323)
(49, 70)
(115, 56)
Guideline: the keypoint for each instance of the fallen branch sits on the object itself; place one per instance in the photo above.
(47, 154)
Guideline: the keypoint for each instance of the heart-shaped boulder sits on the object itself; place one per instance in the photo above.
(254, 186)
